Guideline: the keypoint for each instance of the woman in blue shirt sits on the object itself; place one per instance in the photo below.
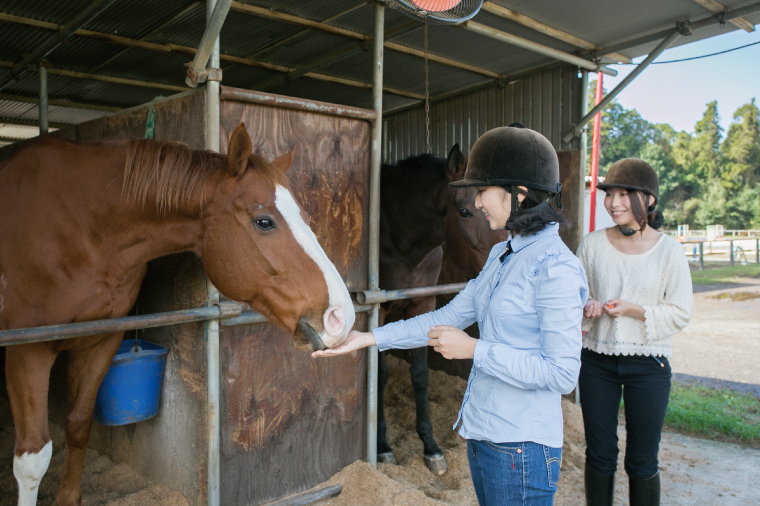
(528, 302)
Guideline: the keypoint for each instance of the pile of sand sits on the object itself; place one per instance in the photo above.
(409, 482)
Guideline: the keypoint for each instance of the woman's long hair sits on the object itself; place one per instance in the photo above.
(640, 213)
(532, 223)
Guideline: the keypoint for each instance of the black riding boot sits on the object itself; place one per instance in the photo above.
(600, 488)
(644, 492)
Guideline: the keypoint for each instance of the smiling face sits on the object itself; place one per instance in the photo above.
(617, 201)
(496, 203)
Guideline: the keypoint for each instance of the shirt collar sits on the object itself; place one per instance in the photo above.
(519, 242)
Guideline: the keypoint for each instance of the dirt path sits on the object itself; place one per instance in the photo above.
(694, 471)
(722, 340)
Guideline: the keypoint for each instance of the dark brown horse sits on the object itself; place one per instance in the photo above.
(79, 222)
(418, 212)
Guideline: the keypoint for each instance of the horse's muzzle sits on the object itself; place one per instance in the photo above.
(306, 333)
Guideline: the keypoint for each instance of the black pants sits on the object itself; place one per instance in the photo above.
(645, 386)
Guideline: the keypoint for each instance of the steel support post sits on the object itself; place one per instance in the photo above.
(43, 106)
(216, 12)
(701, 256)
(662, 46)
(584, 155)
(212, 294)
(374, 225)
(731, 253)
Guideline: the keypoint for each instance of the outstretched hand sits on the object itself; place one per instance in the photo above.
(451, 342)
(355, 341)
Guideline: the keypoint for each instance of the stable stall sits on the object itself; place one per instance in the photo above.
(245, 418)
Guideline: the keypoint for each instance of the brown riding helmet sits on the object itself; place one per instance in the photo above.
(633, 174)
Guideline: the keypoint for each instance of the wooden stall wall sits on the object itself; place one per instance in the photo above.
(170, 448)
(289, 421)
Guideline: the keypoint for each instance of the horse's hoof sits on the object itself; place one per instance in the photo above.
(386, 458)
(436, 464)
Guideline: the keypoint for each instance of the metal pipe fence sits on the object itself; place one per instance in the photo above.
(229, 313)
(734, 249)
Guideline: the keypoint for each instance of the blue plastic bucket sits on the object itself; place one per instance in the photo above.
(131, 389)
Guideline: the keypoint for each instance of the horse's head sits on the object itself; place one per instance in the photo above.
(258, 249)
(469, 237)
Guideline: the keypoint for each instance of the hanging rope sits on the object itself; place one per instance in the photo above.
(427, 96)
(150, 122)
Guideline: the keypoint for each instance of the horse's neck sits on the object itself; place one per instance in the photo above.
(414, 220)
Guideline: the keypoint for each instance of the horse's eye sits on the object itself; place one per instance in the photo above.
(464, 213)
(265, 223)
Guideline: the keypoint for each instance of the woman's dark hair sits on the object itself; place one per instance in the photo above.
(532, 223)
(642, 214)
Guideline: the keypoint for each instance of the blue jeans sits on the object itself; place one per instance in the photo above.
(509, 474)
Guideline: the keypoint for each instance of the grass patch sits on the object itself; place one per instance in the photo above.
(715, 414)
(725, 274)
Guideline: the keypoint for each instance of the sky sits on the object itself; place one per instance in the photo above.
(677, 93)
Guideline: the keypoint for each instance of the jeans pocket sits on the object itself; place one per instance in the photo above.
(553, 464)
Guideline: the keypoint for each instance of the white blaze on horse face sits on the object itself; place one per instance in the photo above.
(339, 317)
(29, 469)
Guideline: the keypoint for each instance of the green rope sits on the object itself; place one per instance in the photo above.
(150, 124)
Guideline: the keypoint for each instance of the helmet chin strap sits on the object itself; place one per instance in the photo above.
(516, 211)
(628, 232)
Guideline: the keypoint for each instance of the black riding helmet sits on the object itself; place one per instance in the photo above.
(514, 156)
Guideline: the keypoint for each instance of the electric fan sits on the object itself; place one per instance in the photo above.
(437, 11)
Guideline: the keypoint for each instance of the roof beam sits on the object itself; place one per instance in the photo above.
(691, 25)
(30, 122)
(295, 20)
(514, 40)
(540, 27)
(716, 8)
(189, 50)
(105, 79)
(60, 103)
(56, 39)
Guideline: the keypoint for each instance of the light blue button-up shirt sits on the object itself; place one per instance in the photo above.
(529, 310)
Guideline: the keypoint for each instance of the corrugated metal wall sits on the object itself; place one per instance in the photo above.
(548, 102)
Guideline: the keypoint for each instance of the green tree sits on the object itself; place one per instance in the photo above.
(741, 149)
(705, 144)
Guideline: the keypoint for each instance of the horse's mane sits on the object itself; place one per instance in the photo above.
(176, 172)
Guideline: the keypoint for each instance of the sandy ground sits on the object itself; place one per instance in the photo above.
(722, 340)
(722, 343)
(694, 471)
(103, 482)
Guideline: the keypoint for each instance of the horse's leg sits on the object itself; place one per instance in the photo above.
(27, 373)
(88, 365)
(432, 454)
(384, 451)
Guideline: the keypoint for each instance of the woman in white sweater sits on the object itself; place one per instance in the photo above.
(639, 296)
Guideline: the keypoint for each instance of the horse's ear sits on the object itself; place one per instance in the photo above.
(238, 151)
(455, 164)
(285, 161)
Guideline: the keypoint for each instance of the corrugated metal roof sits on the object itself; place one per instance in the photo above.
(182, 22)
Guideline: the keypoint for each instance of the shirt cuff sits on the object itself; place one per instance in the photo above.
(479, 357)
(381, 339)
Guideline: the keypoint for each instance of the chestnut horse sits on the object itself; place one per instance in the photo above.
(79, 222)
(418, 212)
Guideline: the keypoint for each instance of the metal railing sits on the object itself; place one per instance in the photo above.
(229, 313)
(731, 250)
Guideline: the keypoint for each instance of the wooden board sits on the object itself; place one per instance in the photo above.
(290, 422)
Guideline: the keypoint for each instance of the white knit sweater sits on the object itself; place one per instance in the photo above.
(658, 280)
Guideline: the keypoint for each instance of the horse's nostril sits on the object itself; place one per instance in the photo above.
(334, 321)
